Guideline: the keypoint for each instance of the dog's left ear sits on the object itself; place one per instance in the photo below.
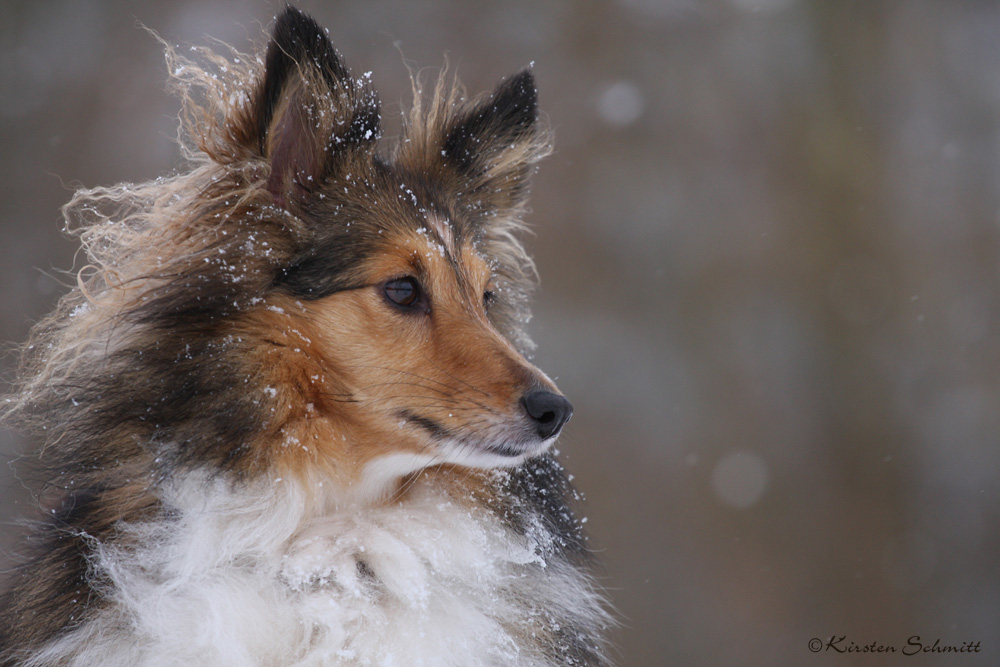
(494, 143)
(308, 114)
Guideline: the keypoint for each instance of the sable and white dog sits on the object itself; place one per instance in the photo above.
(286, 415)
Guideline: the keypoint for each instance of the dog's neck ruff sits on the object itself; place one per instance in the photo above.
(258, 577)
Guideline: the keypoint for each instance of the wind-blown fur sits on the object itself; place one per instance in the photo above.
(285, 416)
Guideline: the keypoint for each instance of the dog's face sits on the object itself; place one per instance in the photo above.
(390, 332)
(408, 364)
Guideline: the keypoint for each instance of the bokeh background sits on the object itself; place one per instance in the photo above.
(768, 241)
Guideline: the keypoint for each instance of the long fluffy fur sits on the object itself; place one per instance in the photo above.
(197, 510)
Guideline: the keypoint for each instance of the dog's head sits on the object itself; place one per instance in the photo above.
(393, 324)
(305, 301)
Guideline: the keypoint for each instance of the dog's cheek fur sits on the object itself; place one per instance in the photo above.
(318, 425)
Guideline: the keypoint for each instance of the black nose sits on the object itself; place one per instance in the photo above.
(548, 411)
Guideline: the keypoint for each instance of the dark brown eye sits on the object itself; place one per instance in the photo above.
(403, 291)
(489, 296)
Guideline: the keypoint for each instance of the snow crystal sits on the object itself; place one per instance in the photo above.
(301, 335)
(408, 191)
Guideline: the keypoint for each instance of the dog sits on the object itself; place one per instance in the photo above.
(286, 416)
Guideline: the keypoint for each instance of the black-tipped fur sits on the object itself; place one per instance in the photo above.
(295, 40)
(309, 111)
(507, 117)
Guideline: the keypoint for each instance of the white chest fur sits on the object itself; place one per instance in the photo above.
(255, 579)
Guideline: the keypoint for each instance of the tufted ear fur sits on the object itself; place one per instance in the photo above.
(494, 142)
(308, 113)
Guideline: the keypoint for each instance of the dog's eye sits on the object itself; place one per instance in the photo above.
(403, 291)
(489, 296)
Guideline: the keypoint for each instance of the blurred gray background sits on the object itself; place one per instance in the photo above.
(768, 241)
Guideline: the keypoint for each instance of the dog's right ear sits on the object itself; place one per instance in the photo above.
(308, 113)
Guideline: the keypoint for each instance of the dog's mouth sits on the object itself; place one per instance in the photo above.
(496, 445)
(434, 429)
(513, 451)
